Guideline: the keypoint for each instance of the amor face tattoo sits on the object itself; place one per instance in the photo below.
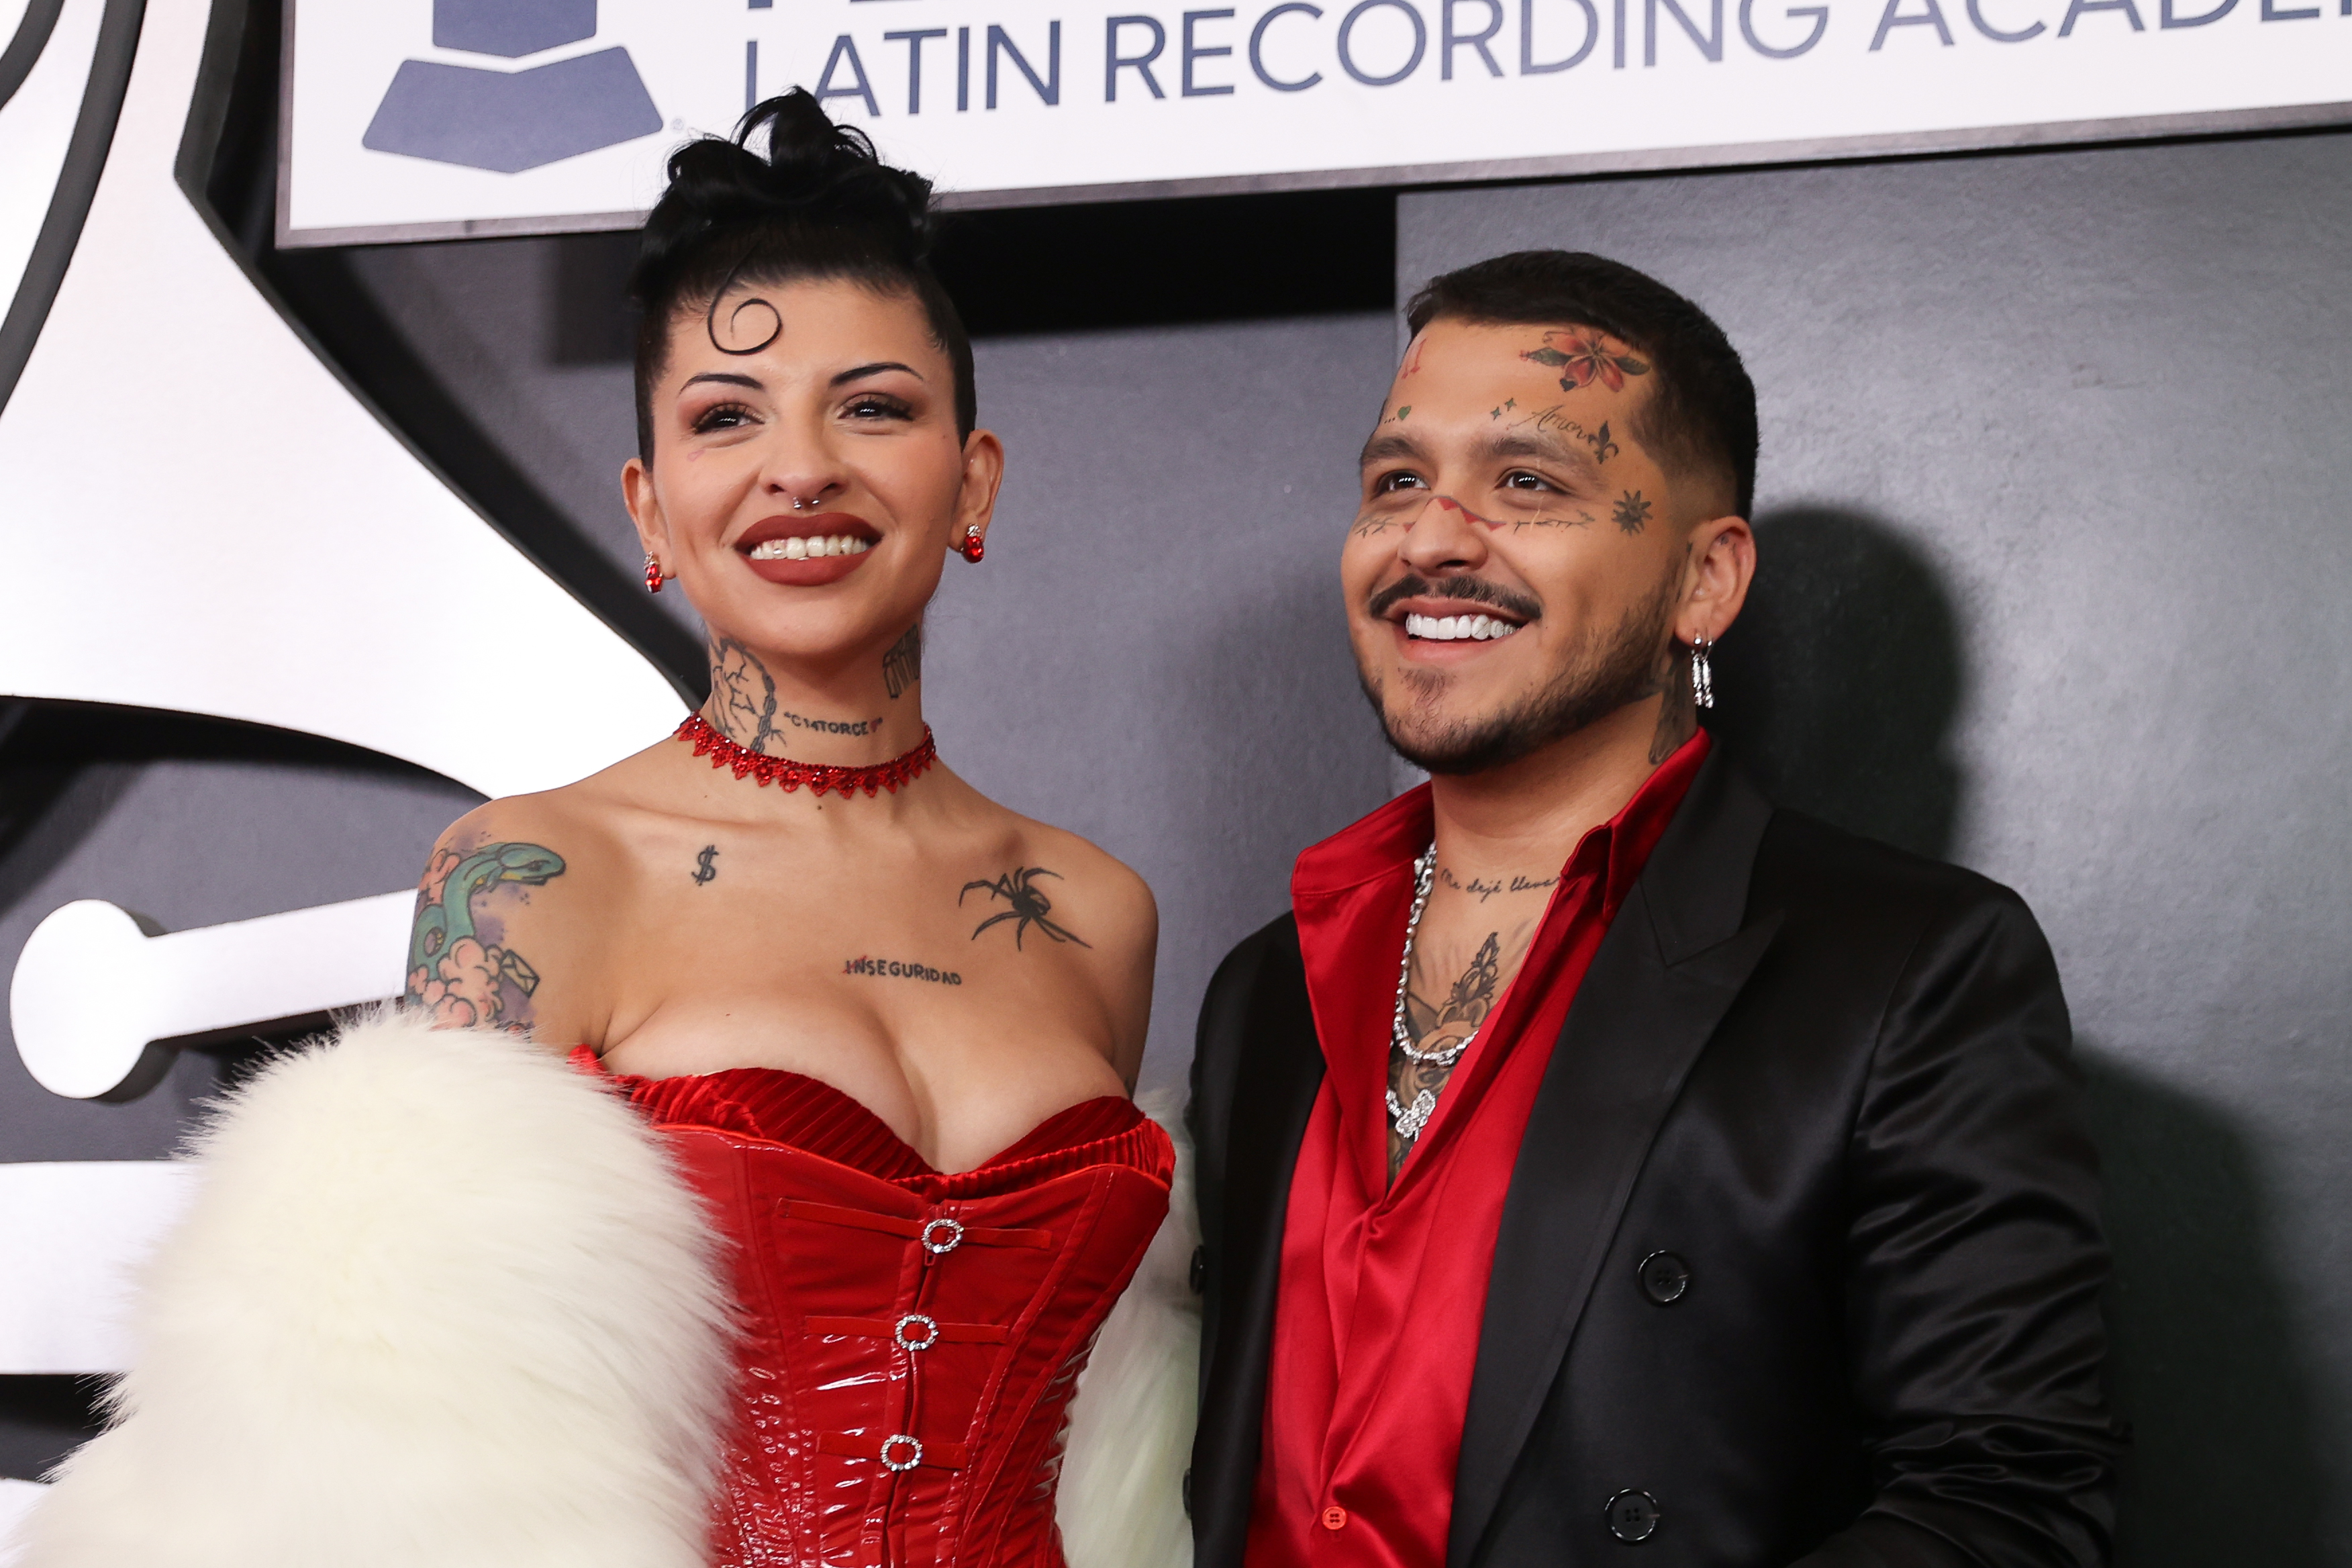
(1598, 441)
(459, 971)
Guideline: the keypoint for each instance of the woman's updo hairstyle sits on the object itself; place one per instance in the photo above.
(818, 205)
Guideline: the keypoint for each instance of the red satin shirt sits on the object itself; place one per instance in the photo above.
(1382, 1288)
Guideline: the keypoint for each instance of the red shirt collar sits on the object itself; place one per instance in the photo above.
(1390, 840)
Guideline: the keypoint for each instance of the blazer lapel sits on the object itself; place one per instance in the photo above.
(1279, 1068)
(1674, 958)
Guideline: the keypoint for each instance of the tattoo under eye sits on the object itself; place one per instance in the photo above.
(459, 973)
(1630, 512)
(724, 416)
(1030, 905)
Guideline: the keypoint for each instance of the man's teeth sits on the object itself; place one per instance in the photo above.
(1456, 628)
(811, 549)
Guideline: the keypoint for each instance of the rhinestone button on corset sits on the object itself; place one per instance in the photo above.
(911, 1339)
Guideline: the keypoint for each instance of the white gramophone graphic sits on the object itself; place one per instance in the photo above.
(271, 511)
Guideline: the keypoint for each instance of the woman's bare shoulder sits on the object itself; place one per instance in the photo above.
(1095, 912)
(500, 907)
(587, 810)
(1117, 904)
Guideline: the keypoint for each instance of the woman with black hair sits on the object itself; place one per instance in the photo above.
(884, 1029)
(889, 1026)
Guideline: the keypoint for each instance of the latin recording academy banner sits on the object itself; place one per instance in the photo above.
(413, 119)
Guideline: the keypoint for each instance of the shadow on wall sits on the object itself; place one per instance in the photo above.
(1838, 690)
(2209, 1367)
(1279, 750)
(1839, 686)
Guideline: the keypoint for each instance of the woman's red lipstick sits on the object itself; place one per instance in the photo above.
(807, 549)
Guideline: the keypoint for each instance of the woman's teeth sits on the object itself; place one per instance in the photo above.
(1456, 628)
(811, 549)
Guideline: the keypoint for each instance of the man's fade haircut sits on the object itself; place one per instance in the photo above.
(1701, 412)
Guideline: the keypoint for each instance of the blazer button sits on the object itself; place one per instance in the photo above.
(1665, 1278)
(1632, 1516)
(1198, 1274)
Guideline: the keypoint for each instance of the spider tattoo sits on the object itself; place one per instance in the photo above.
(1030, 904)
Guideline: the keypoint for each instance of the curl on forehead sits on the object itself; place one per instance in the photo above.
(749, 315)
(739, 314)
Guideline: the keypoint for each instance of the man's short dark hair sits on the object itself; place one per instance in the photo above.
(1701, 412)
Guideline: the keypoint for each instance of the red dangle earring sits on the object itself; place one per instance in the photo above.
(653, 575)
(971, 548)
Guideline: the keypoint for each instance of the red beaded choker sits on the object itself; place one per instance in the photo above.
(820, 777)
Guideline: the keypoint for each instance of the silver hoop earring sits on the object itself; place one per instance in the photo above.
(1702, 672)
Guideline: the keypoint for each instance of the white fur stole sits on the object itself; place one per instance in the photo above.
(440, 1300)
(1130, 1436)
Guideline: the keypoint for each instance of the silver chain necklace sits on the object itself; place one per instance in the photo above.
(1409, 1119)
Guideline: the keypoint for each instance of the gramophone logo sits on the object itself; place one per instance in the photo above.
(484, 117)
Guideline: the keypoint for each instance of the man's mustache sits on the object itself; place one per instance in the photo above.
(1470, 590)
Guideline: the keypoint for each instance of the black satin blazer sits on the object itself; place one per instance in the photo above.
(1801, 1261)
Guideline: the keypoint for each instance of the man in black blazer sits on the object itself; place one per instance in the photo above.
(1600, 1165)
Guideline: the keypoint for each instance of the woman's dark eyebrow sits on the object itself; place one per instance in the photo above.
(860, 372)
(728, 378)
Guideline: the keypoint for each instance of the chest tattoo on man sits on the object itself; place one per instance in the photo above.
(1435, 1029)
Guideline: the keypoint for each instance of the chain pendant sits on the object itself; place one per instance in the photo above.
(1410, 1119)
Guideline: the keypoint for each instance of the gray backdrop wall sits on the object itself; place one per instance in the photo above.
(2047, 583)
